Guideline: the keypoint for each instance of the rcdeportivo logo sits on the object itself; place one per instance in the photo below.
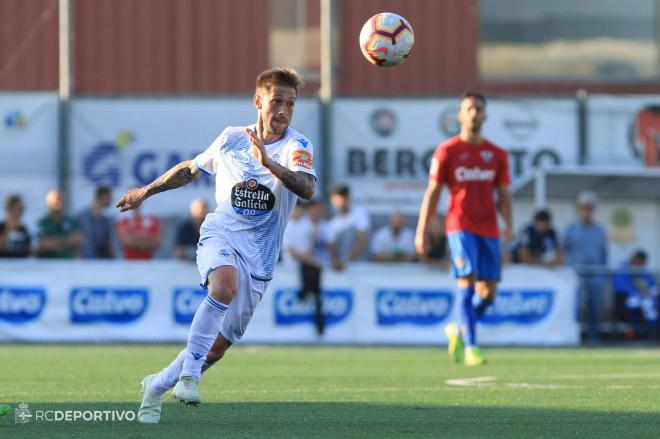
(250, 198)
(22, 415)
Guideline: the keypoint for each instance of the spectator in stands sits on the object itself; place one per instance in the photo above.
(187, 234)
(96, 228)
(348, 229)
(59, 234)
(139, 235)
(636, 297)
(14, 237)
(585, 248)
(538, 242)
(393, 242)
(437, 252)
(305, 241)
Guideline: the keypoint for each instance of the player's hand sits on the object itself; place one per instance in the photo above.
(131, 199)
(256, 138)
(508, 235)
(421, 244)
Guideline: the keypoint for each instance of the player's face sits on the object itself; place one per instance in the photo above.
(198, 209)
(397, 221)
(55, 200)
(276, 107)
(472, 114)
(339, 202)
(586, 212)
(105, 200)
(16, 210)
(541, 226)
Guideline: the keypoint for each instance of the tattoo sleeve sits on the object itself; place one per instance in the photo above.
(177, 176)
(300, 183)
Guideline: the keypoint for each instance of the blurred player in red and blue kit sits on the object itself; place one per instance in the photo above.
(477, 175)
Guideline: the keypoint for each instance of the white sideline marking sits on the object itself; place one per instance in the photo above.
(606, 376)
(476, 381)
(489, 381)
(536, 386)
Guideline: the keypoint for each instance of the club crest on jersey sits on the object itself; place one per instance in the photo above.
(302, 159)
(486, 155)
(250, 198)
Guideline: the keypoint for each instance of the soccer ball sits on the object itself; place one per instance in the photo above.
(386, 39)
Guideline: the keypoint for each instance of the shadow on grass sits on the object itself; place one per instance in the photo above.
(334, 419)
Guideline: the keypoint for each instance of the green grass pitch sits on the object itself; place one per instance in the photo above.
(307, 392)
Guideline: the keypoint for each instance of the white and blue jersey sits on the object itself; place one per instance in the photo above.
(253, 206)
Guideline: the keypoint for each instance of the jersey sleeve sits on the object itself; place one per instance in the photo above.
(205, 161)
(503, 174)
(301, 156)
(438, 171)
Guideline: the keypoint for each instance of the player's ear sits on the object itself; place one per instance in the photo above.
(257, 101)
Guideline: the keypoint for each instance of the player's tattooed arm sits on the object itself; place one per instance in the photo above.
(300, 183)
(177, 176)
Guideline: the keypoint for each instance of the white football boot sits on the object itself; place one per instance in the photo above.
(152, 401)
(186, 391)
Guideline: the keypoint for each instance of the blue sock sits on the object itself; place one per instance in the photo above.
(468, 317)
(482, 306)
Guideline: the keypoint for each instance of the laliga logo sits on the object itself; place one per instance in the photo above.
(523, 307)
(112, 305)
(289, 310)
(20, 305)
(424, 308)
(185, 302)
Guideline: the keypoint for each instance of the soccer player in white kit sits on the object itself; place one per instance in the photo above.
(260, 172)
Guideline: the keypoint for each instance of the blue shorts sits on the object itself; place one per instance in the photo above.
(474, 255)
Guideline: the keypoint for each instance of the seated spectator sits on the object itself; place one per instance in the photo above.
(59, 234)
(636, 297)
(348, 230)
(538, 243)
(139, 235)
(187, 234)
(96, 228)
(394, 242)
(437, 252)
(14, 236)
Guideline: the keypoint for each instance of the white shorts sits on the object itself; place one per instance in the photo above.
(216, 252)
